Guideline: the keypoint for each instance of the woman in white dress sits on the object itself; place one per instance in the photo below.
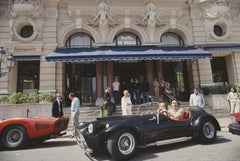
(126, 103)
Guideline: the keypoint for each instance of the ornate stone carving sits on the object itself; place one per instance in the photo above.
(216, 9)
(151, 20)
(103, 19)
(31, 8)
(25, 13)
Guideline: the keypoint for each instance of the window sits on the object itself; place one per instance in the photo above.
(79, 40)
(28, 76)
(127, 39)
(171, 39)
(26, 31)
(218, 31)
(219, 71)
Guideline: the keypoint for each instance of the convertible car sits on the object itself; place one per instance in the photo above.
(121, 136)
(18, 131)
(234, 127)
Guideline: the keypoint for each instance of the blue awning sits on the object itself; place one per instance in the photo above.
(223, 48)
(115, 53)
(26, 57)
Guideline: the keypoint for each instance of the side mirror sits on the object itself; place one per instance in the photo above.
(152, 119)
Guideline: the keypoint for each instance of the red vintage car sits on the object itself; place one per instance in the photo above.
(19, 131)
(234, 127)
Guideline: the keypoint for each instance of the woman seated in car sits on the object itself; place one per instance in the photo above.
(176, 112)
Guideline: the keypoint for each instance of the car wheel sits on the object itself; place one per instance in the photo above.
(207, 131)
(14, 137)
(122, 145)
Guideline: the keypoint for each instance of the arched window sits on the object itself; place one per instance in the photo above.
(79, 40)
(127, 39)
(171, 39)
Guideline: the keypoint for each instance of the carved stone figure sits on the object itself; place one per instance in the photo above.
(150, 15)
(102, 15)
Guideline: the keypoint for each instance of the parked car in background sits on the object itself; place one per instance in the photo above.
(234, 127)
(121, 136)
(18, 131)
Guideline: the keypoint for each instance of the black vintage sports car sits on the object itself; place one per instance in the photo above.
(234, 127)
(122, 135)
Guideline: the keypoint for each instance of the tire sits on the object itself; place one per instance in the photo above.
(14, 136)
(122, 145)
(207, 133)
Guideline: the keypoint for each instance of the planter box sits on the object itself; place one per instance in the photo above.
(13, 110)
(217, 101)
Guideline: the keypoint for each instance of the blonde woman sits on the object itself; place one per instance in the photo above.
(126, 103)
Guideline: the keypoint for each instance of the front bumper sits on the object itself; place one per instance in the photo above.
(234, 128)
(89, 143)
(82, 142)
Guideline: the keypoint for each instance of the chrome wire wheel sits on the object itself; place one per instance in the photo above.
(126, 143)
(14, 137)
(209, 130)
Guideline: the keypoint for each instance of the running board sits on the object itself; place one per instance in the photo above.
(169, 141)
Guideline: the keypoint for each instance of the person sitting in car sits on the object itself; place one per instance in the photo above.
(163, 108)
(176, 112)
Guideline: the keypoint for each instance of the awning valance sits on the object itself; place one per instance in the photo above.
(132, 53)
(223, 48)
(26, 57)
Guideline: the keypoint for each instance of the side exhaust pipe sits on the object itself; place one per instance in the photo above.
(169, 141)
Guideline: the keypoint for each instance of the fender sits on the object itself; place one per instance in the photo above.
(196, 123)
(120, 126)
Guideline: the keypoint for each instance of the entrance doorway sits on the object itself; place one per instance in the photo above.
(81, 79)
(176, 74)
(126, 71)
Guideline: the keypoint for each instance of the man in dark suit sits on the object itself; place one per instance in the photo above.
(57, 110)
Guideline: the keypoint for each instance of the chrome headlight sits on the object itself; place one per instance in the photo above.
(233, 119)
(107, 126)
(90, 128)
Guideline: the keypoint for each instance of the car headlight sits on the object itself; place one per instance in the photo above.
(90, 128)
(233, 119)
(107, 126)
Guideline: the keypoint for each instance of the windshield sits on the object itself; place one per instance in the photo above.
(147, 108)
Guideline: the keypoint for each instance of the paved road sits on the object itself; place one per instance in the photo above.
(226, 148)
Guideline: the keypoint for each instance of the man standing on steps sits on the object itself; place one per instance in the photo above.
(75, 105)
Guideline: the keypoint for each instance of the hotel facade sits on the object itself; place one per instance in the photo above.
(81, 46)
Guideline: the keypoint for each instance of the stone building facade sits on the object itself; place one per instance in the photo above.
(81, 46)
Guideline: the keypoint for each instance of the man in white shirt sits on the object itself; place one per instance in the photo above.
(196, 99)
(75, 105)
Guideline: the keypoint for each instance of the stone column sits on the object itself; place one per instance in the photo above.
(99, 78)
(159, 69)
(205, 72)
(149, 74)
(109, 73)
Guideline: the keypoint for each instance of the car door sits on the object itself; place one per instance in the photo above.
(164, 129)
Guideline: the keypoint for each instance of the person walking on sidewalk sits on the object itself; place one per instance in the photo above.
(75, 105)
(233, 98)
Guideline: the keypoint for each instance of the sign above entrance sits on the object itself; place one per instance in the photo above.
(129, 53)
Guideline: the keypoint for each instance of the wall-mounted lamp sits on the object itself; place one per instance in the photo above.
(10, 62)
